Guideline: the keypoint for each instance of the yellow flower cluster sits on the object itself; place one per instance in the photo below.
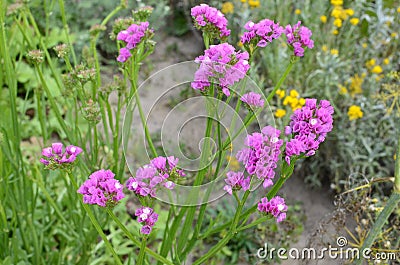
(297, 11)
(294, 100)
(375, 69)
(334, 51)
(354, 112)
(252, 3)
(355, 86)
(227, 8)
(280, 93)
(339, 14)
(279, 113)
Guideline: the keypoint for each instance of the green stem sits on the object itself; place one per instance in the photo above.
(283, 77)
(53, 104)
(232, 232)
(140, 259)
(66, 29)
(95, 222)
(249, 211)
(135, 241)
(144, 123)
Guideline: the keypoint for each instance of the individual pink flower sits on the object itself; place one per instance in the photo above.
(148, 217)
(132, 36)
(220, 64)
(261, 154)
(161, 172)
(262, 33)
(210, 20)
(253, 100)
(236, 181)
(308, 127)
(299, 37)
(275, 207)
(54, 157)
(102, 189)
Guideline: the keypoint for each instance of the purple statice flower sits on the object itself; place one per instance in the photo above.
(148, 217)
(299, 37)
(132, 36)
(222, 63)
(54, 157)
(253, 100)
(261, 155)
(276, 207)
(162, 171)
(261, 33)
(102, 189)
(124, 54)
(309, 126)
(210, 20)
(236, 181)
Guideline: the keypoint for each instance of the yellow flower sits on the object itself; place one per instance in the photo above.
(323, 19)
(342, 90)
(279, 113)
(354, 21)
(254, 3)
(293, 93)
(393, 35)
(240, 44)
(302, 102)
(334, 52)
(377, 69)
(227, 8)
(379, 77)
(349, 12)
(370, 63)
(364, 45)
(336, 2)
(337, 22)
(398, 10)
(297, 11)
(280, 93)
(356, 84)
(243, 1)
(335, 32)
(336, 12)
(324, 48)
(386, 61)
(354, 112)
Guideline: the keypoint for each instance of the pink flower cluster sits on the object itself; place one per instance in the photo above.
(309, 126)
(147, 216)
(210, 19)
(131, 36)
(261, 156)
(253, 100)
(54, 156)
(299, 38)
(222, 63)
(161, 171)
(276, 207)
(236, 181)
(102, 189)
(261, 33)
